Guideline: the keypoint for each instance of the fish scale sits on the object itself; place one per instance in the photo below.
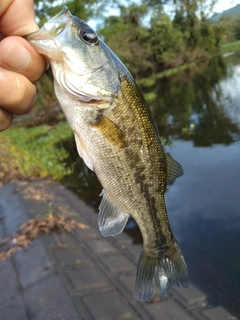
(117, 138)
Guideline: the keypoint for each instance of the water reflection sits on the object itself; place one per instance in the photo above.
(198, 116)
(192, 104)
(204, 214)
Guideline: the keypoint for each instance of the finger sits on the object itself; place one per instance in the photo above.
(17, 17)
(16, 54)
(19, 93)
(5, 119)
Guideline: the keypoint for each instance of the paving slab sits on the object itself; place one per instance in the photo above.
(49, 300)
(168, 309)
(72, 256)
(99, 246)
(190, 298)
(108, 305)
(80, 275)
(32, 264)
(86, 278)
(14, 309)
(9, 282)
(218, 313)
(117, 263)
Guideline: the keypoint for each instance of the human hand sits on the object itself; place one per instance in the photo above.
(20, 64)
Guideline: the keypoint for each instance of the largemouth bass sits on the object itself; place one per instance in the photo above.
(117, 139)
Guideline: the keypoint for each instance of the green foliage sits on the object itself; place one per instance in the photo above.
(128, 38)
(226, 28)
(236, 28)
(84, 9)
(162, 43)
(165, 39)
(38, 151)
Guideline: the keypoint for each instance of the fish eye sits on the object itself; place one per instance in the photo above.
(88, 36)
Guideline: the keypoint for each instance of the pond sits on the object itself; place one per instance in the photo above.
(198, 115)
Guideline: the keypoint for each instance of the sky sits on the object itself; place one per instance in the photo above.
(219, 7)
(225, 4)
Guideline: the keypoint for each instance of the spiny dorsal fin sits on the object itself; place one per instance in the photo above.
(111, 219)
(174, 169)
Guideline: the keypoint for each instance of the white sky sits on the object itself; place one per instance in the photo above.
(225, 4)
(219, 7)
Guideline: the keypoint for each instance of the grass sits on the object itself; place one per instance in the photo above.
(149, 82)
(34, 152)
(230, 47)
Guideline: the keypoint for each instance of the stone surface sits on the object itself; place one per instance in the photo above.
(13, 209)
(49, 300)
(9, 283)
(109, 305)
(168, 309)
(90, 233)
(69, 256)
(61, 240)
(32, 264)
(86, 278)
(218, 313)
(81, 276)
(13, 309)
(117, 263)
(127, 284)
(190, 297)
(101, 246)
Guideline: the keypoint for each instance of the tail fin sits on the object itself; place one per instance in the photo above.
(171, 270)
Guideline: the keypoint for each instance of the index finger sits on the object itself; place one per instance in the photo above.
(17, 17)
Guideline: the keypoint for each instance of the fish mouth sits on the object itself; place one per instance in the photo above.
(37, 35)
(43, 34)
(62, 12)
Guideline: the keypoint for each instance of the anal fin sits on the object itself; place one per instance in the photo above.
(111, 219)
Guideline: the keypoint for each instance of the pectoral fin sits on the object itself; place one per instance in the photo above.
(111, 219)
(82, 151)
(174, 169)
(110, 131)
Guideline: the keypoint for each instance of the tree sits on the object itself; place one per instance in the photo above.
(127, 36)
(83, 9)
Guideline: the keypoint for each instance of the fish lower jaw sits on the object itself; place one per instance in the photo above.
(93, 102)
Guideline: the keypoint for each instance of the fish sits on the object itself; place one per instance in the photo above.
(117, 138)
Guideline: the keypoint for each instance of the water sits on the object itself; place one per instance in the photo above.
(198, 116)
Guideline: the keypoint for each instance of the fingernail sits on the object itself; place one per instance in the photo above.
(17, 57)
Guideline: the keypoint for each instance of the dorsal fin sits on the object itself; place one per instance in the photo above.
(174, 169)
(111, 219)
